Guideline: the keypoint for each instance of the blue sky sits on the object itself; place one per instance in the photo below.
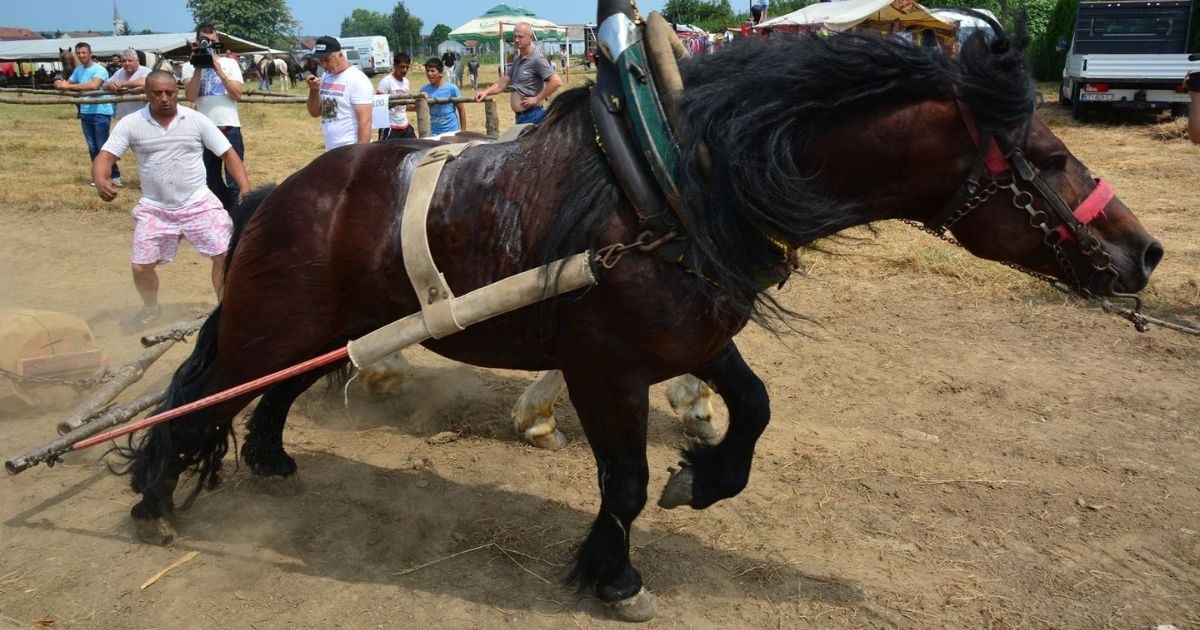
(316, 17)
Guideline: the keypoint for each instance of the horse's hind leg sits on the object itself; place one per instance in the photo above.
(533, 415)
(691, 398)
(263, 449)
(199, 439)
(613, 416)
(712, 473)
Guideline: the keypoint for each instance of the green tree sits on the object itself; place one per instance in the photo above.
(439, 34)
(1046, 59)
(710, 15)
(363, 22)
(263, 21)
(407, 27)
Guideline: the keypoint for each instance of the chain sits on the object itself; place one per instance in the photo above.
(609, 255)
(79, 385)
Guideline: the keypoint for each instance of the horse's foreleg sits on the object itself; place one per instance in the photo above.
(712, 473)
(263, 450)
(613, 416)
(533, 415)
(385, 377)
(691, 398)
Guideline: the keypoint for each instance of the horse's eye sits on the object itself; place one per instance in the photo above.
(1054, 164)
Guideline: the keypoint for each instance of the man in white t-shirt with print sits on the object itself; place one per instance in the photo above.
(397, 84)
(341, 98)
(169, 142)
(215, 88)
(131, 75)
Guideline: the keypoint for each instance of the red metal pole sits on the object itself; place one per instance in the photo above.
(245, 388)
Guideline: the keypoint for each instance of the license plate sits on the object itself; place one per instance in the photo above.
(1098, 96)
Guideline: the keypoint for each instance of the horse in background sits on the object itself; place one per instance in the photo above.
(68, 61)
(267, 72)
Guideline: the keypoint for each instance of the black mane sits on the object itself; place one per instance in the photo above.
(756, 107)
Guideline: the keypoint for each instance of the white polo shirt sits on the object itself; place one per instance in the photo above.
(171, 160)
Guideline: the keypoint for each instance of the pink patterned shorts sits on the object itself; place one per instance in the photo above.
(205, 224)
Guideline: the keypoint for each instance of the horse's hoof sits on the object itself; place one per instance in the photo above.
(552, 441)
(272, 463)
(638, 608)
(153, 531)
(700, 429)
(678, 490)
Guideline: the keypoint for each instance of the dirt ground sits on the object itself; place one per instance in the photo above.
(951, 446)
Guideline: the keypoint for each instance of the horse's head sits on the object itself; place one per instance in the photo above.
(1020, 196)
(1043, 209)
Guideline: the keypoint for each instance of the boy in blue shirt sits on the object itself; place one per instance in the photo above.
(95, 119)
(444, 118)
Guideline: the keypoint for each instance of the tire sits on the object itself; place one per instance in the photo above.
(1079, 110)
(1179, 110)
(1062, 99)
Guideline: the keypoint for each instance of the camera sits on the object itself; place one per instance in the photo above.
(203, 53)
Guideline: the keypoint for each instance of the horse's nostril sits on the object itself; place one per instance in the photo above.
(1152, 256)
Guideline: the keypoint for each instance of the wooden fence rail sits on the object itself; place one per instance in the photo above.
(56, 97)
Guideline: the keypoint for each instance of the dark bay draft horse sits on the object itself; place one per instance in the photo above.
(783, 141)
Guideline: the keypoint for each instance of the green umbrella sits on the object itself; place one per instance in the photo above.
(500, 20)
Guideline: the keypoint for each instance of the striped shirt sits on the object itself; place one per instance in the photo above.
(171, 160)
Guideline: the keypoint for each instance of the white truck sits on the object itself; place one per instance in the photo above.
(374, 53)
(1128, 54)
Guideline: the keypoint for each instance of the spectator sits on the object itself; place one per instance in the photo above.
(131, 75)
(444, 118)
(114, 64)
(213, 83)
(473, 68)
(1193, 87)
(396, 84)
(176, 203)
(341, 98)
(532, 78)
(758, 11)
(449, 59)
(95, 119)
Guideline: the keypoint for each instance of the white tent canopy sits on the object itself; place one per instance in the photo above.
(840, 16)
(165, 44)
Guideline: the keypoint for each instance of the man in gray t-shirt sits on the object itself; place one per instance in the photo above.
(530, 76)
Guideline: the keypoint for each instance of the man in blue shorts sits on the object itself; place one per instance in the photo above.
(531, 77)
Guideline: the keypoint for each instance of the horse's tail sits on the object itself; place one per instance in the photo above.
(158, 454)
(197, 445)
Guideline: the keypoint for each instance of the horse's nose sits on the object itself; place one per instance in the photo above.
(1151, 256)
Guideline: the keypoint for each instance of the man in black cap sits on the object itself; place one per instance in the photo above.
(341, 98)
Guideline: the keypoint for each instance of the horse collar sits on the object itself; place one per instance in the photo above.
(635, 134)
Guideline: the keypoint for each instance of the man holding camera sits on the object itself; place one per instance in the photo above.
(213, 83)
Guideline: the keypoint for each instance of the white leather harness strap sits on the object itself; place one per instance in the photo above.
(430, 285)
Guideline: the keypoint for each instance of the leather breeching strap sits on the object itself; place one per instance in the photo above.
(430, 285)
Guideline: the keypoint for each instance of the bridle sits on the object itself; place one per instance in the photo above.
(1001, 165)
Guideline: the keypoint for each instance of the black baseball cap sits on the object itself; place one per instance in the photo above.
(326, 45)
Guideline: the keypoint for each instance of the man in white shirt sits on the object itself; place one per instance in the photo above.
(213, 83)
(397, 84)
(341, 98)
(132, 75)
(169, 142)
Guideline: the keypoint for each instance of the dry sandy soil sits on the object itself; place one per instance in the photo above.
(952, 445)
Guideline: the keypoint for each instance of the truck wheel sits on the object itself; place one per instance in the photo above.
(1062, 99)
(1078, 108)
(1179, 110)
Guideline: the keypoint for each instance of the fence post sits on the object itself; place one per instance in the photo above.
(490, 118)
(422, 117)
